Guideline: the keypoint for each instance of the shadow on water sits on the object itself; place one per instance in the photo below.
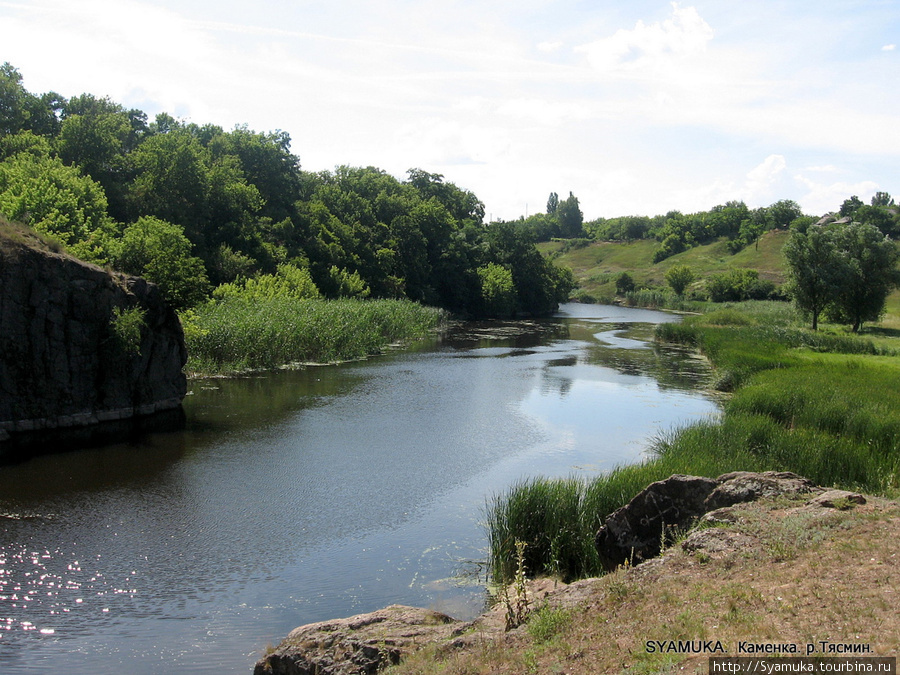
(23, 446)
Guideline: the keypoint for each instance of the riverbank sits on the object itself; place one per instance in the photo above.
(753, 576)
(821, 405)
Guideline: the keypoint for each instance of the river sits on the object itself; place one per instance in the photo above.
(298, 496)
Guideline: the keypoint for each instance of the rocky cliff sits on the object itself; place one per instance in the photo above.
(66, 361)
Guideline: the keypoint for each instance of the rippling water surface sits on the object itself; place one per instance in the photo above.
(293, 497)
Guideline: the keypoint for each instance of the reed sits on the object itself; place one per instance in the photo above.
(235, 334)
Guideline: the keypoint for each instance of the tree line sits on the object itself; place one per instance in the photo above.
(195, 207)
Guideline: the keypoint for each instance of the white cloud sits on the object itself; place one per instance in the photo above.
(651, 48)
(762, 178)
(549, 47)
(889, 48)
(821, 198)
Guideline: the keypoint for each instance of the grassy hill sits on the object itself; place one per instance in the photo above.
(597, 264)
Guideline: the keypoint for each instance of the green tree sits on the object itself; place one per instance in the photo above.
(782, 213)
(498, 293)
(849, 207)
(552, 203)
(160, 252)
(172, 182)
(869, 273)
(882, 199)
(58, 200)
(679, 277)
(97, 142)
(571, 220)
(814, 269)
(624, 283)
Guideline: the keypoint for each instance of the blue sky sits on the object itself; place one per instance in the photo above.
(637, 108)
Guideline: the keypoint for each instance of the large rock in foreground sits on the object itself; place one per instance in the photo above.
(667, 508)
(62, 364)
(361, 644)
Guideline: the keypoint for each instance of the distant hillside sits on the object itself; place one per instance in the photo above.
(597, 264)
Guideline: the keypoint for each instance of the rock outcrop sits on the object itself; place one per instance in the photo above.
(62, 363)
(638, 530)
(360, 644)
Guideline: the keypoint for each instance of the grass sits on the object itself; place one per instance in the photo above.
(597, 265)
(13, 235)
(824, 405)
(235, 335)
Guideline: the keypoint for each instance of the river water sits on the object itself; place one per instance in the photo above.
(299, 496)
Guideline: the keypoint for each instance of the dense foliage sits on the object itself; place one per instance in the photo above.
(193, 207)
(846, 270)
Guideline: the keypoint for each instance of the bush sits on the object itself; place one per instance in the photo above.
(679, 277)
(738, 284)
(288, 283)
(126, 326)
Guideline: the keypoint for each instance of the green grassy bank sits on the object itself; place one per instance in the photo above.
(237, 334)
(826, 406)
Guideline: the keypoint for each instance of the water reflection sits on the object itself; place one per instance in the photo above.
(299, 496)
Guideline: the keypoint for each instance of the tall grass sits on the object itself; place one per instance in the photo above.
(654, 299)
(236, 334)
(824, 406)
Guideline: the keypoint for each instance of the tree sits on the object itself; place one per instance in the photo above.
(624, 283)
(171, 182)
(570, 218)
(159, 251)
(814, 269)
(882, 199)
(552, 203)
(868, 274)
(498, 293)
(679, 278)
(56, 199)
(849, 207)
(782, 213)
(97, 143)
(14, 114)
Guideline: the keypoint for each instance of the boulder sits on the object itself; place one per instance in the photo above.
(836, 499)
(636, 531)
(359, 645)
(61, 365)
(746, 486)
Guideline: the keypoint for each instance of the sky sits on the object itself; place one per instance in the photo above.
(637, 108)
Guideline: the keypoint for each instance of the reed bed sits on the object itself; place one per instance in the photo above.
(235, 335)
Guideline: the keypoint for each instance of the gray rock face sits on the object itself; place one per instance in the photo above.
(745, 486)
(362, 644)
(61, 365)
(636, 531)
